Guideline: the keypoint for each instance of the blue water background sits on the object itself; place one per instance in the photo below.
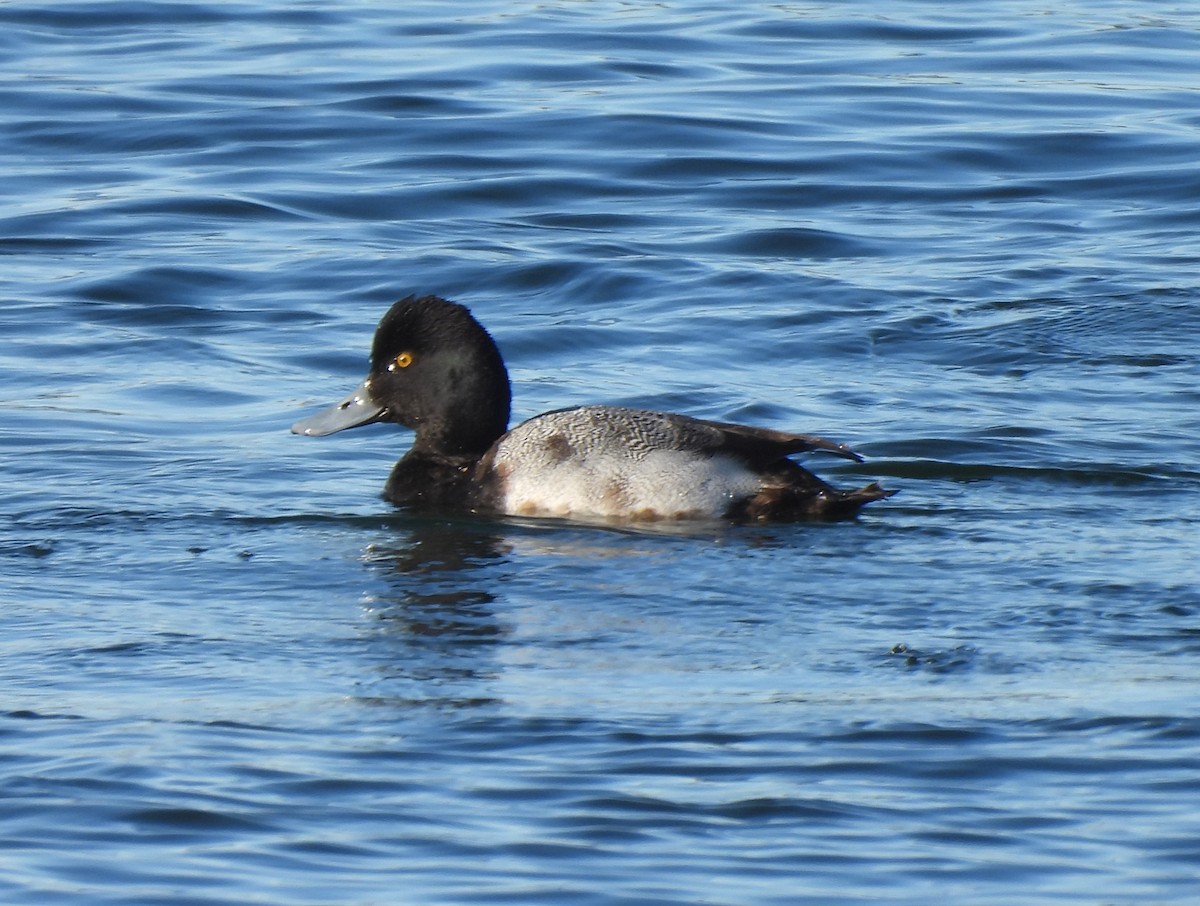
(960, 237)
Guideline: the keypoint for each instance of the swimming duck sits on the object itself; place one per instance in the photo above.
(436, 370)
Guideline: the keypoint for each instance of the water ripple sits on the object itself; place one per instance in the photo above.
(962, 241)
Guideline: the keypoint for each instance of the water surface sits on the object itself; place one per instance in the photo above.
(962, 241)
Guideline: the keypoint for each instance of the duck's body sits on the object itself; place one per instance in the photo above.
(437, 371)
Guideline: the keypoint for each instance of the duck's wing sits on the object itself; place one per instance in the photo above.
(587, 429)
(765, 445)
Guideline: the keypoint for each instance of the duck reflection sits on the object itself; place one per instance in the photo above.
(434, 626)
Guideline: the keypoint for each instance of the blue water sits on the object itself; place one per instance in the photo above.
(960, 237)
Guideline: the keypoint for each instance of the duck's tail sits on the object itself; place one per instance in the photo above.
(804, 497)
(846, 504)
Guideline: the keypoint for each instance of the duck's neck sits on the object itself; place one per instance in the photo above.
(453, 443)
(437, 482)
(478, 415)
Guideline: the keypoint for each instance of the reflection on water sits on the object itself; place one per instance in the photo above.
(436, 621)
(956, 246)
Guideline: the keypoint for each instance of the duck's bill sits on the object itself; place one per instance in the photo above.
(356, 409)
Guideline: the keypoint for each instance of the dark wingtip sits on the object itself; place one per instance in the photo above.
(843, 450)
(829, 446)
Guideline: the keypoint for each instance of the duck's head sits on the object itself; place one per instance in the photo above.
(433, 369)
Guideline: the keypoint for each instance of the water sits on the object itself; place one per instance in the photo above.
(962, 240)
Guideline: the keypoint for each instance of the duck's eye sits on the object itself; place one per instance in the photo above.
(401, 361)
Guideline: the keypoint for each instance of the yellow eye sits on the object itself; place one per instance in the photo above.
(401, 361)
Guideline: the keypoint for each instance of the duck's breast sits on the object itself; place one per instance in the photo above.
(612, 463)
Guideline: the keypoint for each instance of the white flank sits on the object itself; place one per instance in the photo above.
(574, 464)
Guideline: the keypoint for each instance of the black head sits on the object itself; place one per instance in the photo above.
(433, 369)
(436, 370)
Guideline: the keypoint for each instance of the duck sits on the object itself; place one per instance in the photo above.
(436, 370)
